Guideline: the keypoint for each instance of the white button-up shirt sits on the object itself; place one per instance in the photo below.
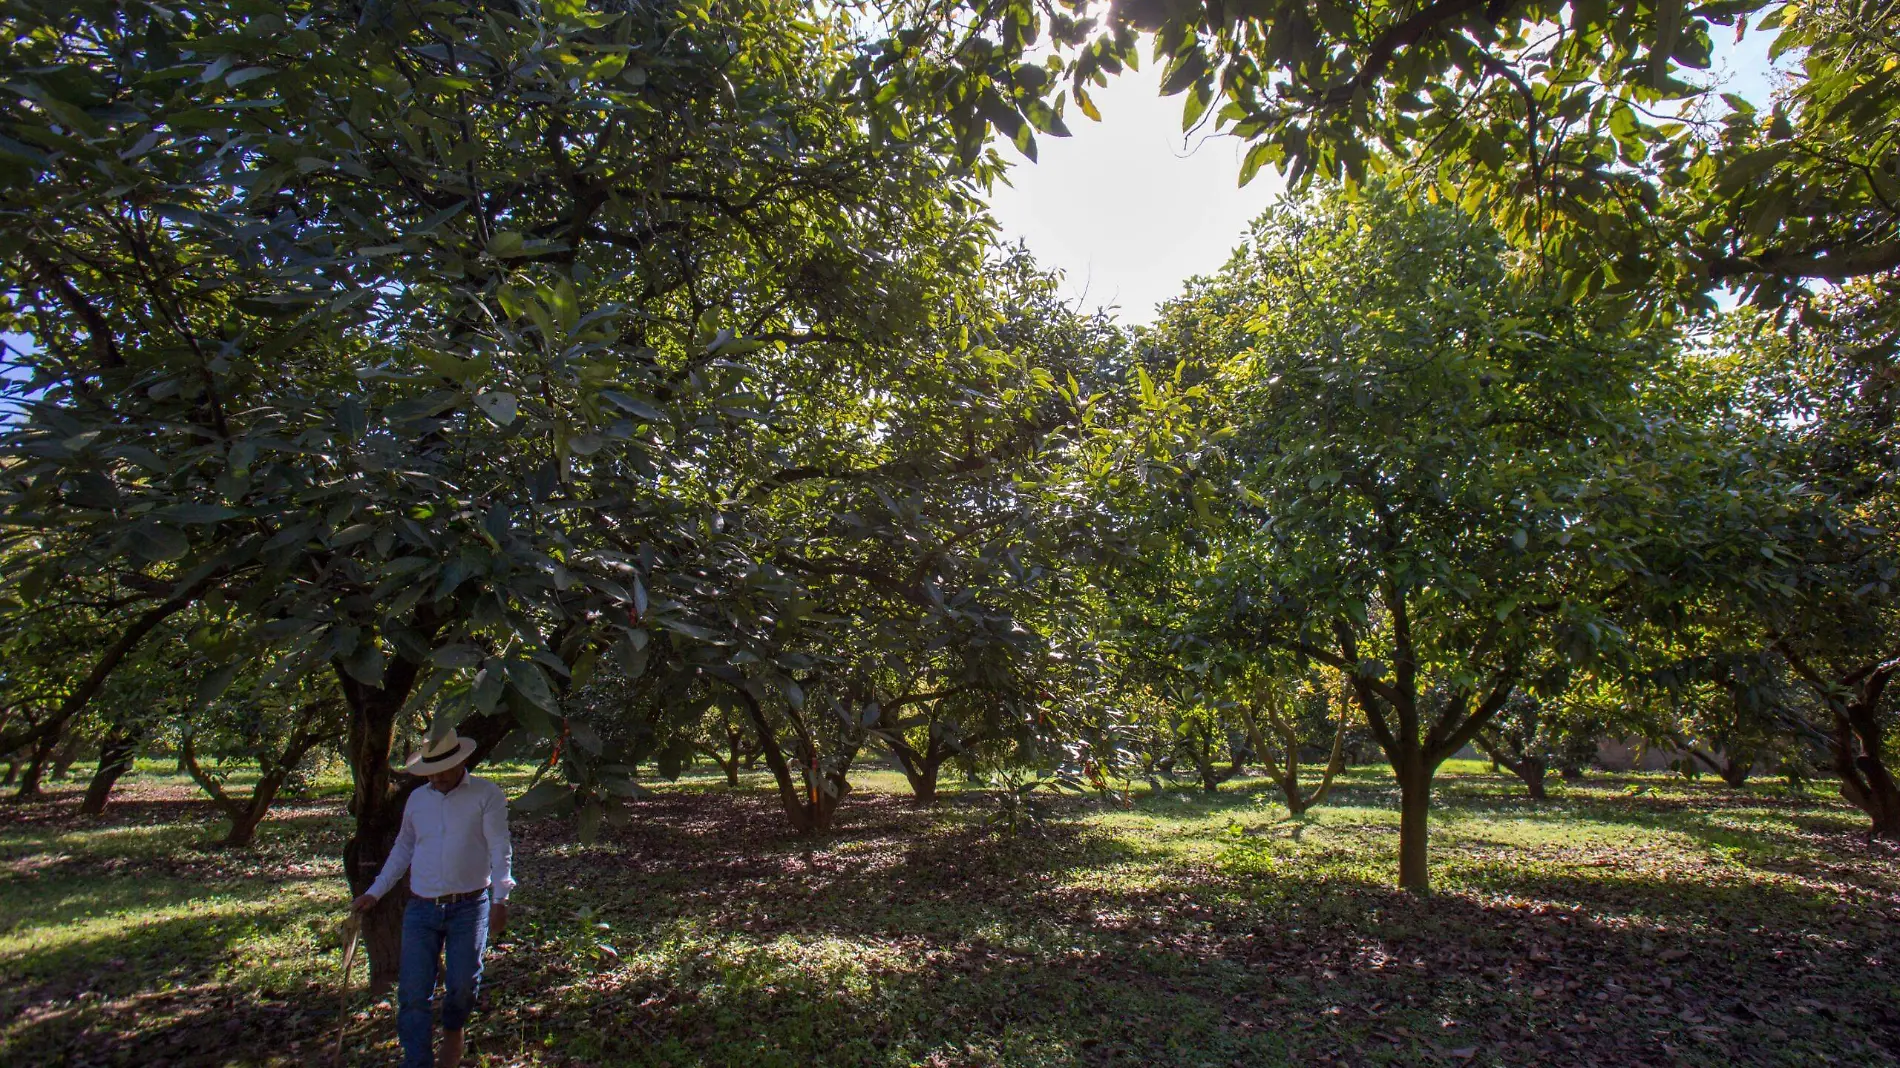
(452, 843)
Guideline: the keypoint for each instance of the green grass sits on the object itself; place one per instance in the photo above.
(1626, 920)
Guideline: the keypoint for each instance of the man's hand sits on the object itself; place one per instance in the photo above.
(497, 919)
(364, 903)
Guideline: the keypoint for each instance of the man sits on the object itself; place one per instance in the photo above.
(454, 846)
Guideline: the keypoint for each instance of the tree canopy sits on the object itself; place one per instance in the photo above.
(618, 383)
(1593, 135)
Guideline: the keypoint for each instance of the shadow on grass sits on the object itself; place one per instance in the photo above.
(892, 945)
(920, 937)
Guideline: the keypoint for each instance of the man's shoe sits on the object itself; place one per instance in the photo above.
(450, 1053)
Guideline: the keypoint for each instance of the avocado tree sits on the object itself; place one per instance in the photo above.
(1431, 471)
(430, 339)
(1534, 733)
(1808, 403)
(152, 690)
(261, 722)
(1286, 711)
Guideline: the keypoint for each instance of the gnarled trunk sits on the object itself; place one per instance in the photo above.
(116, 755)
(245, 815)
(923, 770)
(809, 805)
(920, 769)
(1531, 768)
(727, 761)
(1858, 743)
(1866, 783)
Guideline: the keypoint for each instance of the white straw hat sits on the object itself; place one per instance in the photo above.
(440, 755)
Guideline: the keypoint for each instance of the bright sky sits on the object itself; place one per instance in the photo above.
(1128, 211)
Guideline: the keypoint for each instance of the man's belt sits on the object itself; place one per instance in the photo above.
(450, 899)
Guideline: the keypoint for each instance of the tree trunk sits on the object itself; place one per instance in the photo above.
(116, 755)
(788, 792)
(1205, 771)
(64, 756)
(36, 768)
(1415, 801)
(1859, 741)
(377, 802)
(1732, 769)
(826, 808)
(1288, 776)
(1532, 771)
(1865, 781)
(809, 806)
(246, 818)
(923, 786)
(728, 765)
(1883, 806)
(728, 761)
(920, 770)
(1530, 768)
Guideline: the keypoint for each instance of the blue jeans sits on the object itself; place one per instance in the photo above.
(431, 932)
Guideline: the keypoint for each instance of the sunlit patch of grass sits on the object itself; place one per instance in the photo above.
(127, 840)
(1185, 928)
(121, 934)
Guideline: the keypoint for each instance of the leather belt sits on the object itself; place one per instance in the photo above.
(450, 899)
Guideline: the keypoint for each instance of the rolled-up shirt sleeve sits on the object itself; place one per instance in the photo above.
(399, 855)
(501, 880)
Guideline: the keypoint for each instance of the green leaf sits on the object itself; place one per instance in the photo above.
(528, 680)
(456, 656)
(436, 221)
(565, 305)
(198, 513)
(497, 405)
(542, 796)
(214, 684)
(633, 406)
(1197, 101)
(1259, 156)
(505, 244)
(366, 663)
(489, 684)
(158, 543)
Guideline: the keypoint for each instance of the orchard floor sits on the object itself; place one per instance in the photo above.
(1627, 920)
